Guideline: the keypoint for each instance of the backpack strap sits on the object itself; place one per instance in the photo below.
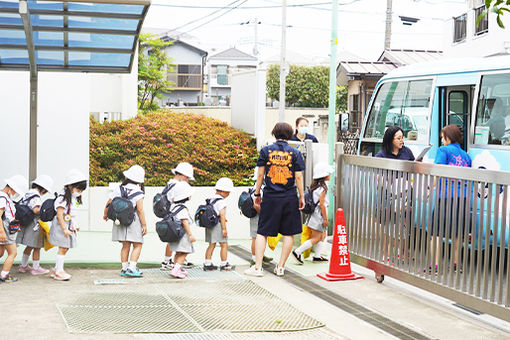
(134, 195)
(167, 188)
(28, 199)
(212, 201)
(178, 210)
(10, 208)
(125, 194)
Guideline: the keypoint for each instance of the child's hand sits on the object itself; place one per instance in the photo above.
(77, 228)
(105, 218)
(3, 237)
(325, 223)
(144, 230)
(192, 238)
(68, 233)
(224, 232)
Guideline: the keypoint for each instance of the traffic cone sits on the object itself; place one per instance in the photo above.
(339, 262)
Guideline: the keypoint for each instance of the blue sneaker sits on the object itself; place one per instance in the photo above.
(134, 273)
(123, 273)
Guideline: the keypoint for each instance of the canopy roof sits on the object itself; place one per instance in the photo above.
(70, 35)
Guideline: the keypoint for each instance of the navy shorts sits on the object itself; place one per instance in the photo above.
(279, 214)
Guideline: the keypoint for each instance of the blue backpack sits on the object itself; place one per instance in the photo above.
(24, 214)
(122, 209)
(206, 216)
(160, 203)
(310, 205)
(47, 212)
(245, 203)
(170, 229)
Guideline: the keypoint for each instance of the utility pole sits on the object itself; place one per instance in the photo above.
(283, 62)
(387, 34)
(255, 43)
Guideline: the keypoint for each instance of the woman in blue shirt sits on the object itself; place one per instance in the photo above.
(393, 145)
(302, 131)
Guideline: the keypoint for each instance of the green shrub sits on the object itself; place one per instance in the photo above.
(159, 140)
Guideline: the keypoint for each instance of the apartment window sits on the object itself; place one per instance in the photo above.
(459, 28)
(187, 77)
(483, 25)
(222, 74)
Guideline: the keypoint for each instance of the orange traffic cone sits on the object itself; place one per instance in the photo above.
(339, 263)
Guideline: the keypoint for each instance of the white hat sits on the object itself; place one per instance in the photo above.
(135, 173)
(185, 169)
(18, 183)
(182, 190)
(224, 184)
(321, 170)
(75, 176)
(44, 181)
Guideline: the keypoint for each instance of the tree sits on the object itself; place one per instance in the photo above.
(496, 6)
(341, 99)
(153, 68)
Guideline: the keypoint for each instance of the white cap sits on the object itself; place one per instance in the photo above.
(321, 170)
(182, 190)
(135, 173)
(185, 169)
(75, 176)
(18, 183)
(44, 181)
(224, 184)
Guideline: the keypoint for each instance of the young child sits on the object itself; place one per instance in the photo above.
(14, 190)
(63, 231)
(254, 225)
(318, 220)
(183, 247)
(218, 233)
(183, 172)
(130, 235)
(32, 235)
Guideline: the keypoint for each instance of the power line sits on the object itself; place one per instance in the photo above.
(217, 17)
(256, 7)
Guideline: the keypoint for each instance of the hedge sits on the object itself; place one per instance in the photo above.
(159, 140)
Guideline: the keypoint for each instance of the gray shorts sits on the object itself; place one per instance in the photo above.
(254, 225)
(215, 234)
(184, 245)
(130, 233)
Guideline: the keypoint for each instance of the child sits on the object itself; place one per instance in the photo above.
(130, 234)
(14, 190)
(63, 231)
(32, 235)
(318, 220)
(254, 225)
(218, 233)
(183, 172)
(183, 247)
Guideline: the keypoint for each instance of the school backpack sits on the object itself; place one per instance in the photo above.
(160, 203)
(14, 225)
(121, 209)
(310, 205)
(245, 203)
(24, 214)
(206, 216)
(47, 212)
(170, 229)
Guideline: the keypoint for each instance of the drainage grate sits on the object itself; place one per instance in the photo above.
(197, 272)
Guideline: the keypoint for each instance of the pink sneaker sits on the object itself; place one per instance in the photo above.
(24, 269)
(177, 273)
(184, 271)
(39, 271)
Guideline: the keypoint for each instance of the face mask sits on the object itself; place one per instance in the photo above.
(76, 194)
(16, 197)
(303, 130)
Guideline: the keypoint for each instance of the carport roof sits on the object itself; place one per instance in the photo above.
(70, 35)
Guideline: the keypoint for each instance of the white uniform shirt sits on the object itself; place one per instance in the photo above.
(220, 204)
(8, 205)
(35, 201)
(130, 189)
(183, 214)
(60, 202)
(317, 194)
(170, 193)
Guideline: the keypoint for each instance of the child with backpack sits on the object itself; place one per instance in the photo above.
(63, 231)
(125, 208)
(318, 220)
(14, 190)
(31, 235)
(218, 232)
(181, 194)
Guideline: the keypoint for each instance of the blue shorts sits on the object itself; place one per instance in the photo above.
(279, 214)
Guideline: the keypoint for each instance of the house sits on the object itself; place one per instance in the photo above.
(463, 37)
(221, 67)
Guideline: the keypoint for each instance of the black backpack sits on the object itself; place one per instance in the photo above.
(160, 203)
(206, 216)
(121, 208)
(24, 214)
(310, 205)
(245, 203)
(170, 229)
(47, 212)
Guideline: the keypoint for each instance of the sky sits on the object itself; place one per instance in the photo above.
(361, 25)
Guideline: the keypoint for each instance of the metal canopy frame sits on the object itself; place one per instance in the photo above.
(29, 9)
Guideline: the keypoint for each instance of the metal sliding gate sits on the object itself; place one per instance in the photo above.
(440, 228)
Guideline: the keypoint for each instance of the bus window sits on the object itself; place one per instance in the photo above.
(493, 111)
(458, 112)
(402, 103)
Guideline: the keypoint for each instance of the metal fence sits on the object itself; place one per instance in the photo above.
(350, 141)
(440, 228)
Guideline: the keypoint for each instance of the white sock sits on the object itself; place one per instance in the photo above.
(306, 245)
(132, 266)
(208, 262)
(168, 259)
(24, 260)
(253, 257)
(319, 249)
(4, 273)
(125, 265)
(59, 263)
(177, 267)
(223, 263)
(35, 264)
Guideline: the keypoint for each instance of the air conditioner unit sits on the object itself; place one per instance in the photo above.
(476, 3)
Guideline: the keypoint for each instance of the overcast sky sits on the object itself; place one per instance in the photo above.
(360, 29)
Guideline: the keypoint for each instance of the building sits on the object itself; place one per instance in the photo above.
(221, 67)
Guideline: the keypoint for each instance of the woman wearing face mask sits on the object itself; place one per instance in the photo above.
(302, 130)
(63, 231)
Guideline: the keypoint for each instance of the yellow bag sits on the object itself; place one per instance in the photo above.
(46, 229)
(272, 241)
(305, 236)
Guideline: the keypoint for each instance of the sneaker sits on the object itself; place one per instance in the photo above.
(123, 272)
(39, 271)
(267, 259)
(184, 271)
(178, 273)
(227, 267)
(134, 273)
(8, 279)
(210, 267)
(279, 271)
(187, 264)
(252, 271)
(167, 265)
(320, 259)
(25, 269)
(62, 276)
(298, 257)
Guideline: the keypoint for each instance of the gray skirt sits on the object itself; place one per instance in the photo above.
(58, 238)
(254, 226)
(215, 234)
(315, 221)
(130, 233)
(184, 245)
(31, 235)
(11, 238)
